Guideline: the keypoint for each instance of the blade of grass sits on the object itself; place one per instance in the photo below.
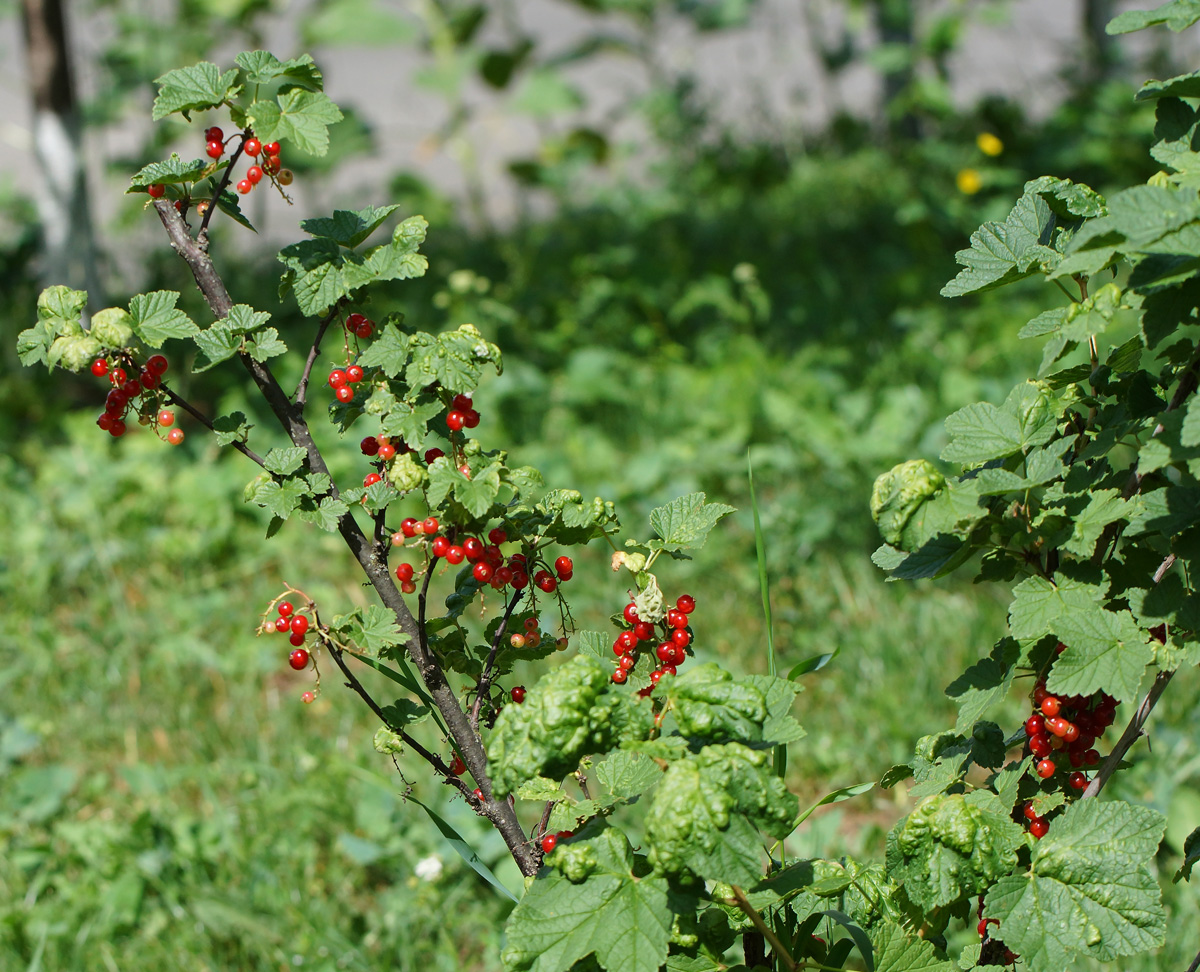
(465, 850)
(764, 584)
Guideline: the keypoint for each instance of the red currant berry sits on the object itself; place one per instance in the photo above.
(354, 374)
(337, 377)
(457, 766)
(298, 659)
(470, 418)
(353, 320)
(244, 186)
(254, 174)
(156, 191)
(1039, 694)
(627, 662)
(156, 364)
(387, 452)
(454, 555)
(454, 421)
(518, 694)
(1046, 768)
(504, 575)
(215, 149)
(563, 565)
(492, 554)
(439, 547)
(1070, 732)
(665, 651)
(404, 572)
(477, 794)
(371, 479)
(431, 455)
(132, 388)
(1030, 813)
(369, 446)
(175, 436)
(681, 638)
(482, 572)
(115, 402)
(982, 927)
(473, 549)
(117, 429)
(166, 418)
(676, 618)
(299, 624)
(286, 609)
(271, 148)
(655, 676)
(307, 698)
(282, 624)
(252, 147)
(1039, 828)
(643, 631)
(409, 587)
(1050, 706)
(117, 378)
(285, 177)
(271, 165)
(627, 640)
(686, 603)
(1091, 757)
(1077, 781)
(520, 580)
(461, 402)
(630, 614)
(549, 842)
(99, 367)
(1039, 745)
(364, 330)
(620, 675)
(497, 536)
(105, 421)
(410, 526)
(297, 638)
(1035, 724)
(149, 380)
(214, 134)
(546, 583)
(429, 526)
(343, 393)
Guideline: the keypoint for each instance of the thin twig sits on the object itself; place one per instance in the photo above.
(204, 420)
(222, 185)
(739, 898)
(1195, 963)
(1129, 736)
(540, 830)
(485, 680)
(313, 353)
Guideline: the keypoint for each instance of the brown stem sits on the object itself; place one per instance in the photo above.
(739, 898)
(485, 680)
(1195, 963)
(313, 352)
(1129, 736)
(291, 418)
(203, 420)
(222, 185)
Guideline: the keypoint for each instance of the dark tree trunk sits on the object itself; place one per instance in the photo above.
(68, 251)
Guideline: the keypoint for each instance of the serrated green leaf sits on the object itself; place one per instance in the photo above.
(172, 171)
(262, 67)
(1003, 252)
(216, 344)
(539, 789)
(74, 352)
(897, 951)
(59, 312)
(1104, 506)
(284, 462)
(231, 428)
(984, 684)
(710, 705)
(112, 327)
(779, 727)
(155, 318)
(228, 203)
(389, 352)
(706, 812)
(265, 344)
(685, 523)
(299, 116)
(281, 499)
(555, 925)
(193, 88)
(1068, 198)
(1106, 650)
(327, 513)
(1039, 604)
(1191, 854)
(1089, 888)
(348, 228)
(953, 846)
(626, 774)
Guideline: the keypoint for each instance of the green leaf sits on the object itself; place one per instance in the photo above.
(262, 67)
(172, 171)
(1105, 650)
(1089, 888)
(284, 462)
(155, 318)
(779, 727)
(112, 327)
(684, 523)
(953, 846)
(327, 514)
(281, 499)
(982, 432)
(463, 849)
(217, 343)
(59, 314)
(378, 629)
(1039, 604)
(837, 796)
(813, 663)
(356, 23)
(709, 705)
(265, 344)
(1176, 14)
(706, 813)
(984, 684)
(228, 203)
(193, 88)
(231, 428)
(1191, 854)
(1003, 252)
(897, 951)
(301, 117)
(560, 922)
(389, 351)
(348, 228)
(1104, 506)
(627, 774)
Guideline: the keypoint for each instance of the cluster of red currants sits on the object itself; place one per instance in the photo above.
(1064, 729)
(489, 565)
(550, 841)
(672, 649)
(462, 414)
(342, 380)
(296, 627)
(127, 389)
(269, 165)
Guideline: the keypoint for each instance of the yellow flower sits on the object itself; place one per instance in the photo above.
(968, 182)
(989, 144)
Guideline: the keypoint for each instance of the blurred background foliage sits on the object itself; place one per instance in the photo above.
(672, 298)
